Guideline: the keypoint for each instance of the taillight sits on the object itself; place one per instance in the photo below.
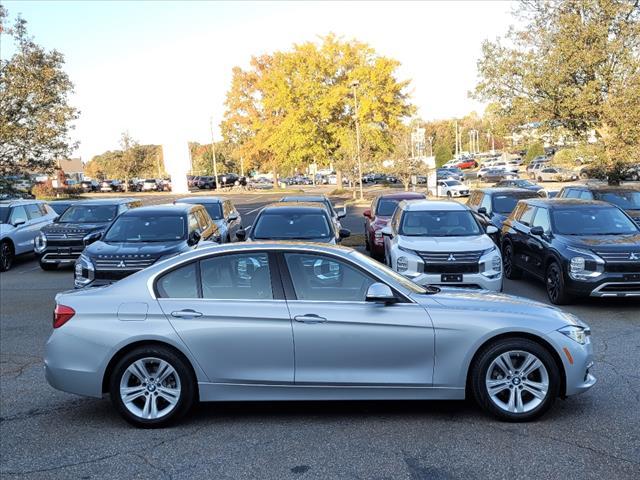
(61, 315)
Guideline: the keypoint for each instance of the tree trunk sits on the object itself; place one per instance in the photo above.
(406, 185)
(338, 179)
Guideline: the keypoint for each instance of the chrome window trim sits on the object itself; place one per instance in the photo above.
(241, 248)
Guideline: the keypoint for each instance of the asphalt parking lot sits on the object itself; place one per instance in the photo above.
(49, 434)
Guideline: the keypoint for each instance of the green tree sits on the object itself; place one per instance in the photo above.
(35, 114)
(443, 154)
(534, 150)
(574, 65)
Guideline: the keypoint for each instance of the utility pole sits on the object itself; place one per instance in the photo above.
(354, 86)
(242, 166)
(431, 138)
(456, 155)
(213, 155)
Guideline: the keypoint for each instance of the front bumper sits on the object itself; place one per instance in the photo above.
(606, 285)
(60, 255)
(469, 280)
(578, 361)
(461, 193)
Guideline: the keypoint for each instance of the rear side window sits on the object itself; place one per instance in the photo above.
(237, 277)
(179, 283)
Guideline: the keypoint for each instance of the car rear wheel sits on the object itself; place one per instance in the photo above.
(539, 179)
(152, 386)
(556, 289)
(6, 256)
(510, 270)
(449, 194)
(515, 379)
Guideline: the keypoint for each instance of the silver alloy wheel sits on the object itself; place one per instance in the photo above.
(150, 388)
(517, 381)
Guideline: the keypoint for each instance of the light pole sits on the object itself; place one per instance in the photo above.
(213, 155)
(431, 138)
(354, 85)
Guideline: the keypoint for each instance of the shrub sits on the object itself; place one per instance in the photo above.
(534, 150)
(43, 190)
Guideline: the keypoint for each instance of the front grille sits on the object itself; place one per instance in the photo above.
(618, 257)
(112, 274)
(123, 263)
(66, 235)
(622, 267)
(451, 268)
(450, 258)
(631, 287)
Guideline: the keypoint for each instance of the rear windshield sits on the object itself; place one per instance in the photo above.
(294, 225)
(629, 200)
(89, 214)
(148, 228)
(591, 221)
(506, 203)
(386, 206)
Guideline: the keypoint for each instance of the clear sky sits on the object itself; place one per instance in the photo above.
(162, 68)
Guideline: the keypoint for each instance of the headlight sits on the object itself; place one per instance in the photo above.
(576, 333)
(585, 265)
(491, 262)
(40, 243)
(84, 271)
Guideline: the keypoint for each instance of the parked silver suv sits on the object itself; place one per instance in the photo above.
(20, 222)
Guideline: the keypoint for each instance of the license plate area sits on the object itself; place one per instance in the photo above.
(631, 277)
(451, 277)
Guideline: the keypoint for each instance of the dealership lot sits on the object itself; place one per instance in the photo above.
(49, 434)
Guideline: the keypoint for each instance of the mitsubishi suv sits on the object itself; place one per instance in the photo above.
(441, 242)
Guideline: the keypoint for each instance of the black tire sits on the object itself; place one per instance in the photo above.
(7, 255)
(555, 286)
(187, 395)
(584, 176)
(511, 271)
(48, 266)
(449, 195)
(484, 360)
(367, 247)
(539, 179)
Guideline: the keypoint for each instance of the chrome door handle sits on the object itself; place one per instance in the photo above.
(186, 313)
(309, 318)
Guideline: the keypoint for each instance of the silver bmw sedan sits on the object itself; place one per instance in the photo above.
(294, 321)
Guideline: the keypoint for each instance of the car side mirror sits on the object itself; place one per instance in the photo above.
(91, 238)
(380, 293)
(194, 238)
(387, 232)
(537, 230)
(19, 222)
(344, 233)
(367, 213)
(342, 213)
(233, 217)
(491, 230)
(482, 210)
(241, 234)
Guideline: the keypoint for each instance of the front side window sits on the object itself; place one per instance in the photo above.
(89, 214)
(591, 221)
(486, 203)
(194, 226)
(526, 216)
(18, 214)
(542, 220)
(282, 225)
(148, 228)
(236, 277)
(321, 278)
(439, 223)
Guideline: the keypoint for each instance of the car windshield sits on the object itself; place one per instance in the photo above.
(89, 214)
(291, 225)
(4, 214)
(59, 207)
(148, 228)
(505, 203)
(386, 206)
(439, 223)
(523, 183)
(628, 200)
(452, 183)
(588, 220)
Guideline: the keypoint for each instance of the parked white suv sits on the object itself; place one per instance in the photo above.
(441, 243)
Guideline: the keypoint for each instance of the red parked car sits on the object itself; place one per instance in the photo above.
(467, 163)
(377, 217)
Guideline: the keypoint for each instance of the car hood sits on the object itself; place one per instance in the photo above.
(446, 244)
(154, 249)
(74, 227)
(609, 242)
(489, 301)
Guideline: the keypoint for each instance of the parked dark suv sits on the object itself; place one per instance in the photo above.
(222, 212)
(493, 205)
(62, 242)
(577, 247)
(626, 198)
(139, 238)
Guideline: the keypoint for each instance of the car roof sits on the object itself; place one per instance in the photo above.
(429, 205)
(292, 207)
(564, 202)
(199, 200)
(503, 190)
(605, 188)
(105, 201)
(19, 201)
(403, 196)
(304, 198)
(166, 209)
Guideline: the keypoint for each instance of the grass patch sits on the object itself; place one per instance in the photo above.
(354, 240)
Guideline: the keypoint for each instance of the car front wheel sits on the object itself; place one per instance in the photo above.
(515, 379)
(556, 289)
(152, 386)
(6, 256)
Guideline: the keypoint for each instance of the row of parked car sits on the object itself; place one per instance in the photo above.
(584, 242)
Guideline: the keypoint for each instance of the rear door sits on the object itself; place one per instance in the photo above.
(340, 339)
(230, 312)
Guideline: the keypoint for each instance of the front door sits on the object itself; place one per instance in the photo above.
(342, 340)
(226, 310)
